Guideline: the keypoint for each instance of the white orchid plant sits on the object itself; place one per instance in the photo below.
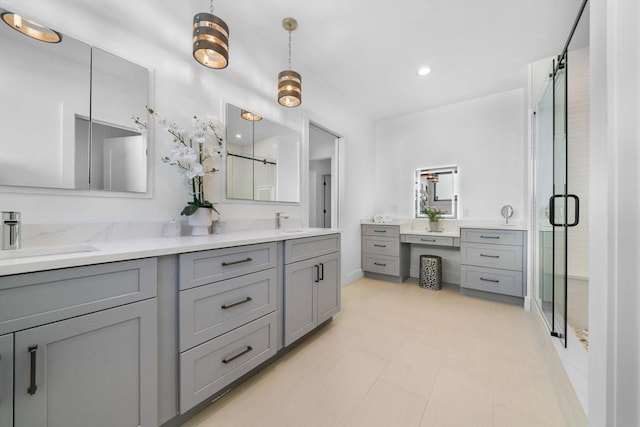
(192, 152)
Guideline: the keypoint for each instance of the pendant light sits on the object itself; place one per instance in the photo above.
(289, 82)
(248, 115)
(210, 40)
(31, 28)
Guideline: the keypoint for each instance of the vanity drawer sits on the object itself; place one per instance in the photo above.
(212, 310)
(310, 247)
(422, 239)
(204, 267)
(209, 367)
(381, 245)
(498, 237)
(381, 264)
(492, 256)
(33, 299)
(492, 280)
(381, 230)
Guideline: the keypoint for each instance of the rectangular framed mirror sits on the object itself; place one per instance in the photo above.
(437, 188)
(262, 158)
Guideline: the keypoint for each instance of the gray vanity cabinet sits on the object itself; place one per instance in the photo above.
(383, 257)
(6, 380)
(84, 346)
(92, 370)
(311, 284)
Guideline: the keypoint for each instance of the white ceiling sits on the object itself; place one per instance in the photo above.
(371, 50)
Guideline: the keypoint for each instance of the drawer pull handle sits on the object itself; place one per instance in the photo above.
(321, 271)
(489, 280)
(32, 377)
(227, 264)
(490, 256)
(427, 240)
(380, 264)
(380, 246)
(489, 237)
(379, 231)
(234, 357)
(317, 279)
(233, 304)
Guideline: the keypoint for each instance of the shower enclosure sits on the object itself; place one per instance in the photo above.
(560, 131)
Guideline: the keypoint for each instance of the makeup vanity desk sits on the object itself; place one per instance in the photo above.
(487, 261)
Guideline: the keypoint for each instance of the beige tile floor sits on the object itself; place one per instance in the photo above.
(398, 355)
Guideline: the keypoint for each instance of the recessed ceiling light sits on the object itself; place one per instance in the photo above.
(423, 71)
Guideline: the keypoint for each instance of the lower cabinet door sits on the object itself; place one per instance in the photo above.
(97, 370)
(328, 287)
(6, 380)
(300, 308)
(209, 367)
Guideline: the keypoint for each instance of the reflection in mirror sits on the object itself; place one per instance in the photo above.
(72, 128)
(437, 188)
(263, 159)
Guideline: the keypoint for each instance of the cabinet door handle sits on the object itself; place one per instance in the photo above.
(317, 279)
(379, 231)
(489, 237)
(227, 264)
(380, 246)
(489, 280)
(427, 240)
(490, 256)
(32, 376)
(321, 271)
(380, 264)
(235, 356)
(233, 304)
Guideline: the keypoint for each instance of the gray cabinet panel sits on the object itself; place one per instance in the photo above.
(492, 236)
(492, 256)
(422, 239)
(328, 287)
(202, 268)
(95, 370)
(381, 264)
(28, 300)
(209, 367)
(209, 311)
(309, 247)
(389, 246)
(381, 230)
(300, 316)
(492, 280)
(6, 380)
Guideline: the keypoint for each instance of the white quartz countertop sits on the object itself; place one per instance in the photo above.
(120, 250)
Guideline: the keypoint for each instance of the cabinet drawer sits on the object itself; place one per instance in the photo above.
(6, 380)
(310, 247)
(212, 310)
(33, 299)
(202, 268)
(209, 367)
(427, 239)
(492, 256)
(381, 230)
(381, 245)
(492, 280)
(381, 264)
(492, 236)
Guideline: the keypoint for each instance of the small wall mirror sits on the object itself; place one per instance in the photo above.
(65, 116)
(263, 158)
(437, 188)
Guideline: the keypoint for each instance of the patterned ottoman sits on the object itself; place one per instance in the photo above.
(430, 272)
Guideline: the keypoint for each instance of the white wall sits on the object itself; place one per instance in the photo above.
(484, 137)
(138, 31)
(614, 250)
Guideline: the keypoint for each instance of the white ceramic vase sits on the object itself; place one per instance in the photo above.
(200, 222)
(434, 226)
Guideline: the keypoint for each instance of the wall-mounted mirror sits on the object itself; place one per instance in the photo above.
(263, 158)
(65, 116)
(437, 188)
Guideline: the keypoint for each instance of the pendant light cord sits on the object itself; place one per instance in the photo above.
(211, 6)
(289, 48)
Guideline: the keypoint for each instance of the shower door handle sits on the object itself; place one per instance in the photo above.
(552, 210)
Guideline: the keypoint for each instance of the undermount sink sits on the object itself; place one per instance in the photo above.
(45, 251)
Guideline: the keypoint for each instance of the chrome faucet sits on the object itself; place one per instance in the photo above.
(10, 230)
(279, 218)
